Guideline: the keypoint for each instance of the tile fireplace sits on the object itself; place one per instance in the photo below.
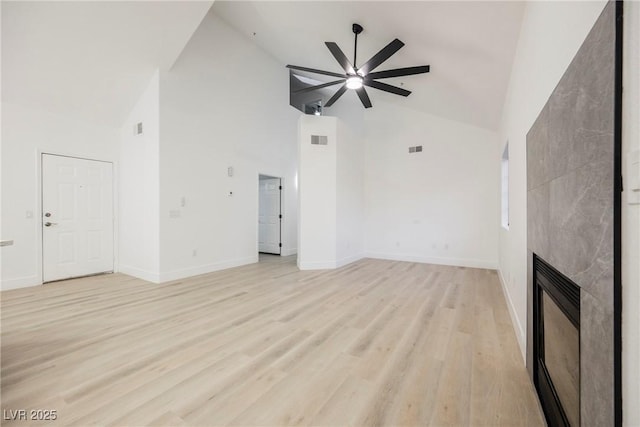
(573, 236)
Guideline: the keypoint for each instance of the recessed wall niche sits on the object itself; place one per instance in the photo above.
(573, 212)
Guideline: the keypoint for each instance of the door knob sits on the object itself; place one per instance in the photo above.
(48, 214)
(49, 224)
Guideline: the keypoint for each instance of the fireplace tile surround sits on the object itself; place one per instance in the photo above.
(570, 206)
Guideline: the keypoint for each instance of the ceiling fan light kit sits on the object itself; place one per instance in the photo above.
(354, 82)
(357, 78)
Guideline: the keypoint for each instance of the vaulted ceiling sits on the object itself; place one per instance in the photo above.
(93, 59)
(90, 59)
(469, 45)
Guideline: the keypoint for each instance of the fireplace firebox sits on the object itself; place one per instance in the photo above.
(556, 344)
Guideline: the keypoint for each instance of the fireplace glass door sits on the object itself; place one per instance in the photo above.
(556, 344)
(562, 357)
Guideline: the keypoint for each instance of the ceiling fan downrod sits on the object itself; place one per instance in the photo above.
(357, 29)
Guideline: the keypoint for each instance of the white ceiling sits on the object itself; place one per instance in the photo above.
(90, 59)
(469, 45)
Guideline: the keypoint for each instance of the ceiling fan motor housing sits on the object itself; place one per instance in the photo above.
(357, 28)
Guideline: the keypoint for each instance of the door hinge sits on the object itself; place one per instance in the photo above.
(280, 216)
(279, 245)
(280, 188)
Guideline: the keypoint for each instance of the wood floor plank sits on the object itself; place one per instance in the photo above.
(345, 403)
(372, 343)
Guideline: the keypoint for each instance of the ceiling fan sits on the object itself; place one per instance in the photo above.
(356, 78)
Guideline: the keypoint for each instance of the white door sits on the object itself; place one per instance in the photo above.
(77, 217)
(269, 216)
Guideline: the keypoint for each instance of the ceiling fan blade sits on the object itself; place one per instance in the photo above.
(340, 57)
(310, 88)
(380, 57)
(399, 72)
(364, 98)
(336, 95)
(313, 70)
(387, 88)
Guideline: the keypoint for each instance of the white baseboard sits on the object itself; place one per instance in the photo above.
(149, 276)
(207, 268)
(458, 262)
(328, 265)
(520, 334)
(20, 282)
(348, 260)
(316, 265)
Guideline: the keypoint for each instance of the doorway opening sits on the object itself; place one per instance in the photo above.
(269, 215)
(77, 217)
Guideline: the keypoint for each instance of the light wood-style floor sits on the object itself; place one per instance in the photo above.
(373, 343)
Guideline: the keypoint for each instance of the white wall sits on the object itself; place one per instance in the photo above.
(551, 34)
(317, 223)
(331, 199)
(140, 187)
(349, 192)
(631, 220)
(435, 206)
(224, 103)
(26, 133)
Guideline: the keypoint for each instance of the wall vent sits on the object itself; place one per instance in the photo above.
(318, 140)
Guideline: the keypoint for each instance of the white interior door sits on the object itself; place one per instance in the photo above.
(77, 217)
(269, 216)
